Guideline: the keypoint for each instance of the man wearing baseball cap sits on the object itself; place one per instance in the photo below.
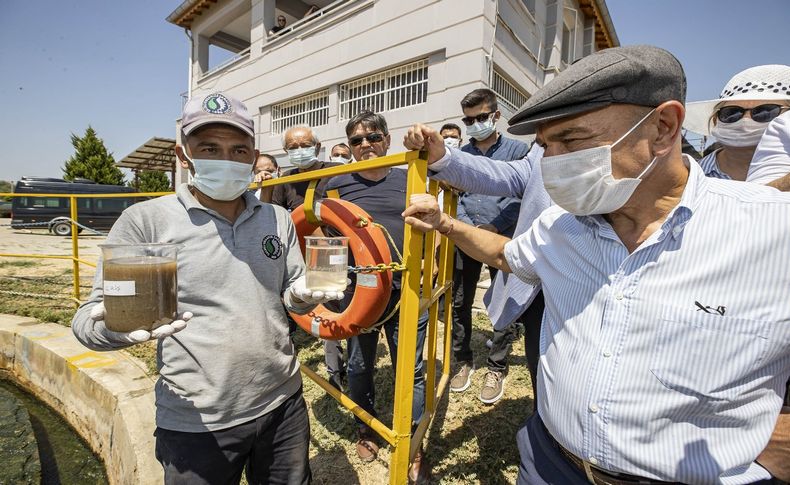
(229, 393)
(665, 343)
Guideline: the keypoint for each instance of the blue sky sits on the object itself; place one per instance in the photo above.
(120, 67)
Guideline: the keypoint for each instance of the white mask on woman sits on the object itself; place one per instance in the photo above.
(743, 133)
(581, 182)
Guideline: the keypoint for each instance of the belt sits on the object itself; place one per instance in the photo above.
(599, 476)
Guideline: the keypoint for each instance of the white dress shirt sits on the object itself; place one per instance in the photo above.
(669, 362)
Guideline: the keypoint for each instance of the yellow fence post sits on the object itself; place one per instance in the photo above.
(407, 332)
(75, 249)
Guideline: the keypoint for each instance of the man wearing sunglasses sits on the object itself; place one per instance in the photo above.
(496, 213)
(382, 194)
(739, 117)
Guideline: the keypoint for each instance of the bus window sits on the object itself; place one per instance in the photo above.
(111, 205)
(43, 202)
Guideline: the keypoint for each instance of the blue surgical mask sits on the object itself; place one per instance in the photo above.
(480, 131)
(221, 179)
(339, 159)
(302, 157)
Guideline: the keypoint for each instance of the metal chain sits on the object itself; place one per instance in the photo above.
(34, 295)
(379, 268)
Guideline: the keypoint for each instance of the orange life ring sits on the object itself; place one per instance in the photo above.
(369, 246)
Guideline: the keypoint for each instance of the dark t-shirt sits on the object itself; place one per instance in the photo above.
(291, 196)
(384, 200)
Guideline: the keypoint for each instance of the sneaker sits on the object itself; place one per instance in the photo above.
(493, 387)
(462, 378)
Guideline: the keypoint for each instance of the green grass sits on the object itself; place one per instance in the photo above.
(18, 263)
(468, 443)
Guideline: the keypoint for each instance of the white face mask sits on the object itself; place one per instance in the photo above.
(302, 157)
(453, 142)
(743, 133)
(221, 179)
(581, 182)
(480, 131)
(339, 159)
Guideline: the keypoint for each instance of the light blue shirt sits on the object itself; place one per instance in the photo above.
(710, 166)
(669, 362)
(508, 297)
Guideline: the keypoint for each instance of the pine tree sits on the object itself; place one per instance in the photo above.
(92, 161)
(151, 181)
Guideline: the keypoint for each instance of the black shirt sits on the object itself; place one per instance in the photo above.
(384, 200)
(291, 196)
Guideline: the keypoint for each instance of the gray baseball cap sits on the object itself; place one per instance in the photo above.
(216, 108)
(641, 74)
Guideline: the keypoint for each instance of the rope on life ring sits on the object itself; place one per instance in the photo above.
(368, 244)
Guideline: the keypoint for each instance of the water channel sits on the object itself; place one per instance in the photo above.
(64, 457)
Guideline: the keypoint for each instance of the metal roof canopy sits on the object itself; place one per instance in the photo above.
(157, 154)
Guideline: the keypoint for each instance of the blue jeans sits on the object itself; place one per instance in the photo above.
(362, 361)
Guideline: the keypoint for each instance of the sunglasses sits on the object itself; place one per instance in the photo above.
(469, 120)
(370, 137)
(761, 114)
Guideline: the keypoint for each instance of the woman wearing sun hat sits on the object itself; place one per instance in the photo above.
(738, 119)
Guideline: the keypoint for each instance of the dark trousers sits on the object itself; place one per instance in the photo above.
(542, 463)
(273, 448)
(362, 362)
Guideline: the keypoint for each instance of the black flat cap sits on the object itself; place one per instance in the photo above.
(641, 74)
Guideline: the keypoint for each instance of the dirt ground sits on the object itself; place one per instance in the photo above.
(28, 241)
(469, 442)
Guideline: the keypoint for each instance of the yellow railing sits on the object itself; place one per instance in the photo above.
(418, 295)
(73, 211)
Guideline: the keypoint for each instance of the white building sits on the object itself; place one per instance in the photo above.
(411, 60)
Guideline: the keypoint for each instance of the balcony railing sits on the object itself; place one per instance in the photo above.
(242, 55)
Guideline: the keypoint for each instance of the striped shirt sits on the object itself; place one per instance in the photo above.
(508, 297)
(669, 362)
(710, 167)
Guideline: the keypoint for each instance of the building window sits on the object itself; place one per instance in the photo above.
(389, 90)
(507, 93)
(311, 110)
(567, 45)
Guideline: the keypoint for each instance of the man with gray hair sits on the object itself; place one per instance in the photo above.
(665, 345)
(303, 147)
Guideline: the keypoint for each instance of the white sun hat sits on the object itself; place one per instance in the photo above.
(770, 83)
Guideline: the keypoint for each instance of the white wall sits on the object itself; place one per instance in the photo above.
(366, 36)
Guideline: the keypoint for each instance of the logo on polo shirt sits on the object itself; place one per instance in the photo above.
(272, 246)
(216, 104)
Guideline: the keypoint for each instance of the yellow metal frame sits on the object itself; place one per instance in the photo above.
(75, 250)
(418, 294)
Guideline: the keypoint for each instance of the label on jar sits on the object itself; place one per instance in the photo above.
(337, 259)
(119, 288)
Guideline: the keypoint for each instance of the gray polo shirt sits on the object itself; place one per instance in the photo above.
(235, 360)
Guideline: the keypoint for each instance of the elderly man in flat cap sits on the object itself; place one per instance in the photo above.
(666, 336)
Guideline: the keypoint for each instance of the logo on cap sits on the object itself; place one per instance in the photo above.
(216, 104)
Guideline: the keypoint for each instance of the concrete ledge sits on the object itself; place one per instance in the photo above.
(105, 396)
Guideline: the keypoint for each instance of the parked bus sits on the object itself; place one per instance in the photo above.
(53, 213)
